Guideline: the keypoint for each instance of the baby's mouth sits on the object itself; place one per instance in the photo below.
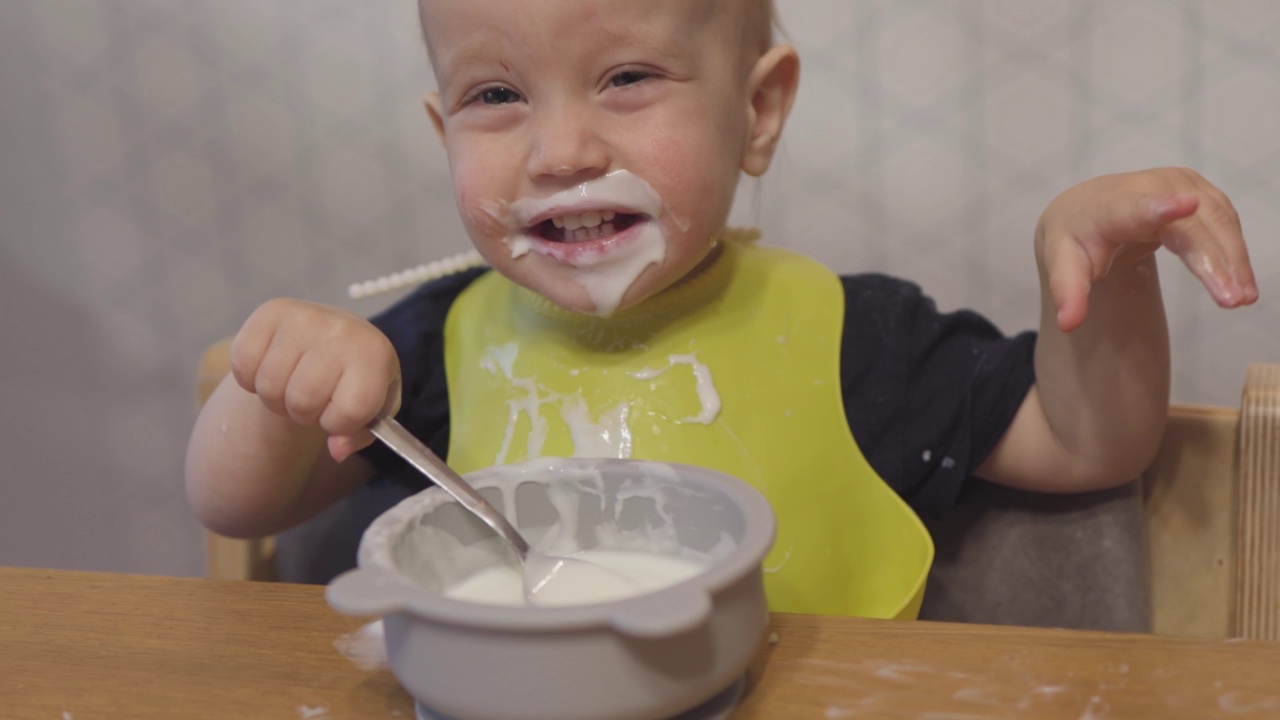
(584, 227)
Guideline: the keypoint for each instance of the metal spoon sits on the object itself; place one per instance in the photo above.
(537, 569)
(404, 444)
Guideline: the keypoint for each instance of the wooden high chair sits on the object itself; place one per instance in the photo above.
(1211, 501)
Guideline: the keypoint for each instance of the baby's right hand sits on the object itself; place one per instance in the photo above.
(319, 366)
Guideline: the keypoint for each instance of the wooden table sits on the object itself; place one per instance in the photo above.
(85, 646)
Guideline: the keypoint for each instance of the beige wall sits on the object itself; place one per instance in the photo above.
(168, 165)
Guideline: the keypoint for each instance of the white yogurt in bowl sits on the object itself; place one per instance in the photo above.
(586, 577)
(659, 607)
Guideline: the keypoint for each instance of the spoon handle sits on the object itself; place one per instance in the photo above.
(400, 440)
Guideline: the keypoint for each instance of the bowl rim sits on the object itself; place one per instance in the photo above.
(746, 557)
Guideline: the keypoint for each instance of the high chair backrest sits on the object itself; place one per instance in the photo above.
(1211, 507)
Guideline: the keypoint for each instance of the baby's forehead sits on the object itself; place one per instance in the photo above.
(448, 25)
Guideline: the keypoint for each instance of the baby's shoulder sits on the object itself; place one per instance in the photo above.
(880, 297)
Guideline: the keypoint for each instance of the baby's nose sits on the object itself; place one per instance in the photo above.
(567, 144)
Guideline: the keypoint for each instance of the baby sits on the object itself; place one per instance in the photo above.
(595, 147)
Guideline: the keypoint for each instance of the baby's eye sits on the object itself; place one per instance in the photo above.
(497, 96)
(628, 77)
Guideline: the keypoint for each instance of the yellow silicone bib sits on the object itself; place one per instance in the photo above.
(737, 370)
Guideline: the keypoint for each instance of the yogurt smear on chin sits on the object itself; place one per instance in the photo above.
(606, 260)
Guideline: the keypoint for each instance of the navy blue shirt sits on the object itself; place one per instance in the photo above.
(928, 394)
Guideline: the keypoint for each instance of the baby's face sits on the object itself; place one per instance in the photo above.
(538, 97)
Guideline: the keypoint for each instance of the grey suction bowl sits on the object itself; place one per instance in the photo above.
(647, 657)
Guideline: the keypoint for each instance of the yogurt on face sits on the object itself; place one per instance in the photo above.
(606, 264)
(589, 576)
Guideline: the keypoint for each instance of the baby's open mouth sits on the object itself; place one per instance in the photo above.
(582, 227)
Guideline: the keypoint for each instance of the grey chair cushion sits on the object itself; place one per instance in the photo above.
(1009, 557)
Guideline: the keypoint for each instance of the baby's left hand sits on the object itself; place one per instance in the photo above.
(1114, 221)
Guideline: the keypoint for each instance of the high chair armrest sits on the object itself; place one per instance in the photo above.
(214, 365)
(1212, 509)
(234, 559)
(1257, 609)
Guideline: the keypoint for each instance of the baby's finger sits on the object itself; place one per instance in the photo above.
(342, 447)
(274, 371)
(341, 411)
(1135, 217)
(1218, 204)
(1070, 276)
(394, 393)
(1221, 218)
(360, 395)
(247, 350)
(310, 386)
(1204, 254)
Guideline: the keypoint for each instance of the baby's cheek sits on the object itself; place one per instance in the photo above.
(696, 188)
(695, 163)
(479, 216)
(673, 161)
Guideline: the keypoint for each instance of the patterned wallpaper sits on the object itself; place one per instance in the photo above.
(169, 164)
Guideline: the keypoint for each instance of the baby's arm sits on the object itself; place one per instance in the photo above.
(273, 445)
(1097, 412)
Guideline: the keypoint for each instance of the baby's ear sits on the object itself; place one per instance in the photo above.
(772, 87)
(432, 103)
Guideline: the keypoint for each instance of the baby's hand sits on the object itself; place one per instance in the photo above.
(1111, 222)
(319, 366)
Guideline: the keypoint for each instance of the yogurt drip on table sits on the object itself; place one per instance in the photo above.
(589, 576)
(606, 271)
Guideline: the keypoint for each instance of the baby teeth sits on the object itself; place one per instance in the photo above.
(589, 219)
(589, 233)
